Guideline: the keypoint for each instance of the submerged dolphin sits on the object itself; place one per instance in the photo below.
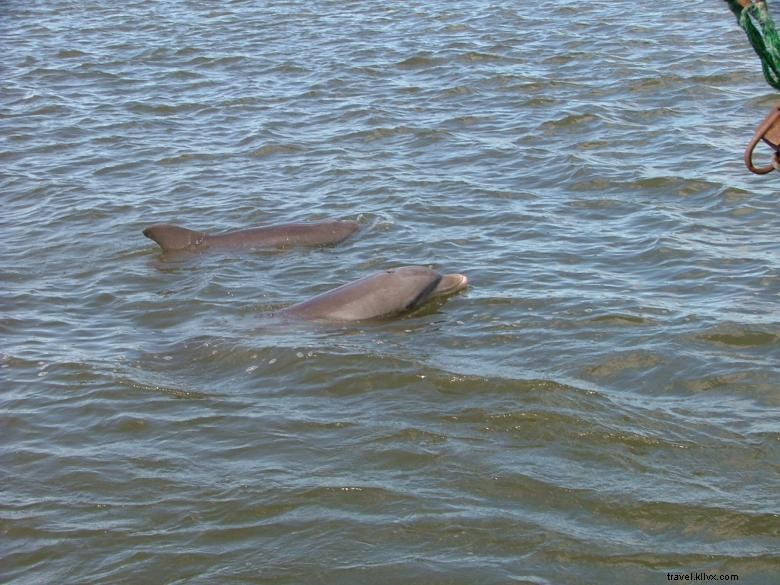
(382, 294)
(172, 237)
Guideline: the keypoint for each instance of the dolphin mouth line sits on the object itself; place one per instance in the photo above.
(444, 285)
(425, 293)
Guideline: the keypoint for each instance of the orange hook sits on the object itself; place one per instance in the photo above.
(769, 132)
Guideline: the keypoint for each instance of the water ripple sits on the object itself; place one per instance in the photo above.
(602, 402)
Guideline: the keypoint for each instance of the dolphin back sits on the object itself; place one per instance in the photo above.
(287, 234)
(173, 237)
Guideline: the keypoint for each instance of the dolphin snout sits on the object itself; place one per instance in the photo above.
(452, 283)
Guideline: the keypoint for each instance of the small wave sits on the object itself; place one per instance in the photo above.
(569, 121)
(70, 54)
(621, 319)
(476, 56)
(736, 335)
(120, 168)
(640, 361)
(417, 62)
(217, 62)
(185, 158)
(459, 91)
(141, 108)
(382, 133)
(274, 149)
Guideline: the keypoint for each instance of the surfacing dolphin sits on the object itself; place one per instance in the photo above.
(383, 294)
(283, 235)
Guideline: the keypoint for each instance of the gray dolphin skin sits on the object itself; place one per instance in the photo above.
(383, 294)
(172, 237)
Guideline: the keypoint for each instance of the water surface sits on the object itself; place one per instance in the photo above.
(601, 406)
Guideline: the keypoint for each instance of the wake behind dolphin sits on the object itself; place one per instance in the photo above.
(383, 294)
(176, 238)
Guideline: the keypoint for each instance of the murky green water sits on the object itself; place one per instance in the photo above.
(601, 406)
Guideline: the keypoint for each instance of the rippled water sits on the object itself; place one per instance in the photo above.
(601, 406)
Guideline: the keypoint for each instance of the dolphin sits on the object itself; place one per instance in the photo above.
(383, 294)
(172, 237)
